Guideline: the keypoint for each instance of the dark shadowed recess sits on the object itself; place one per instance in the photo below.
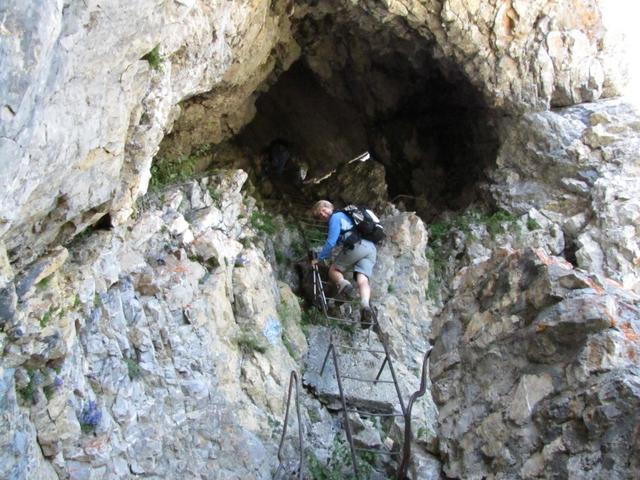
(420, 117)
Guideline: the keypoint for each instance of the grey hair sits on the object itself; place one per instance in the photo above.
(320, 204)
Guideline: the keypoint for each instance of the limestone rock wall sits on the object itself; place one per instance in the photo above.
(535, 372)
(521, 55)
(83, 113)
(579, 168)
(156, 349)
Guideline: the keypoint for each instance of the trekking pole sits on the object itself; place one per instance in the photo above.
(318, 290)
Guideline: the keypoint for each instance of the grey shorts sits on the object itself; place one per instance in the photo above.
(360, 259)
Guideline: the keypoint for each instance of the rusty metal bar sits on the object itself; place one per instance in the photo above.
(408, 435)
(293, 381)
(318, 291)
(343, 300)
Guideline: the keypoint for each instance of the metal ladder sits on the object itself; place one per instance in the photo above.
(321, 301)
(332, 351)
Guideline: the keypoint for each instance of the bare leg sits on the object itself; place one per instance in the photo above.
(335, 275)
(364, 288)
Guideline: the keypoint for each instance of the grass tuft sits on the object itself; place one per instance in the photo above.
(153, 57)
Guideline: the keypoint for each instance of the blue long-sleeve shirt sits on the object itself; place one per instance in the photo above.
(338, 222)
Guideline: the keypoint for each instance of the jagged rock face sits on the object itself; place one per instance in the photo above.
(535, 372)
(164, 346)
(83, 113)
(157, 349)
(518, 54)
(578, 167)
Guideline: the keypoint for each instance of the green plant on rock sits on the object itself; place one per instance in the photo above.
(44, 283)
(499, 222)
(423, 433)
(248, 342)
(153, 57)
(46, 318)
(215, 195)
(165, 172)
(263, 222)
(339, 465)
(133, 368)
(27, 393)
(532, 224)
(76, 302)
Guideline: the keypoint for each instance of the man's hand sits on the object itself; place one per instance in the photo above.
(314, 262)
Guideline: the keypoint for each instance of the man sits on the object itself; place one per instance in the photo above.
(360, 257)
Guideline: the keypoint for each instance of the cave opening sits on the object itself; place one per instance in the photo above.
(421, 118)
(360, 85)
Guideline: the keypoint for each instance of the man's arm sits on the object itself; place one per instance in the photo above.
(332, 237)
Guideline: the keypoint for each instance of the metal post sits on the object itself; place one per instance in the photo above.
(293, 381)
(408, 434)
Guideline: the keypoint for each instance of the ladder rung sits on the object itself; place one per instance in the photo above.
(372, 414)
(377, 451)
(359, 349)
(342, 320)
(345, 300)
(366, 379)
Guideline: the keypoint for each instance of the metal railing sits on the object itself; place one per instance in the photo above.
(405, 410)
(321, 301)
(293, 382)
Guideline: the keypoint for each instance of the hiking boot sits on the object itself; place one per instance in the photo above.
(366, 317)
(348, 292)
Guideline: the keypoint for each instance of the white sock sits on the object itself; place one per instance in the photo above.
(342, 284)
(365, 303)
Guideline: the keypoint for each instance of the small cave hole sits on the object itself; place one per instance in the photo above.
(104, 223)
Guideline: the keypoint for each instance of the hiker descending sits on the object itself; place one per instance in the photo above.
(357, 254)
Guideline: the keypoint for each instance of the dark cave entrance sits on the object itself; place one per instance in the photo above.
(358, 86)
(428, 126)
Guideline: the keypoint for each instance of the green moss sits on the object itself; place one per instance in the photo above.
(153, 57)
(133, 368)
(532, 224)
(248, 342)
(339, 465)
(46, 318)
(263, 222)
(423, 433)
(27, 393)
(44, 283)
(438, 249)
(289, 346)
(499, 222)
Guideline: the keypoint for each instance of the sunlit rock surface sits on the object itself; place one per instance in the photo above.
(535, 372)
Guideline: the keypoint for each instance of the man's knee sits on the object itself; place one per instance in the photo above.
(362, 279)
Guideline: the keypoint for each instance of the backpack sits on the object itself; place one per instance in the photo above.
(365, 223)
